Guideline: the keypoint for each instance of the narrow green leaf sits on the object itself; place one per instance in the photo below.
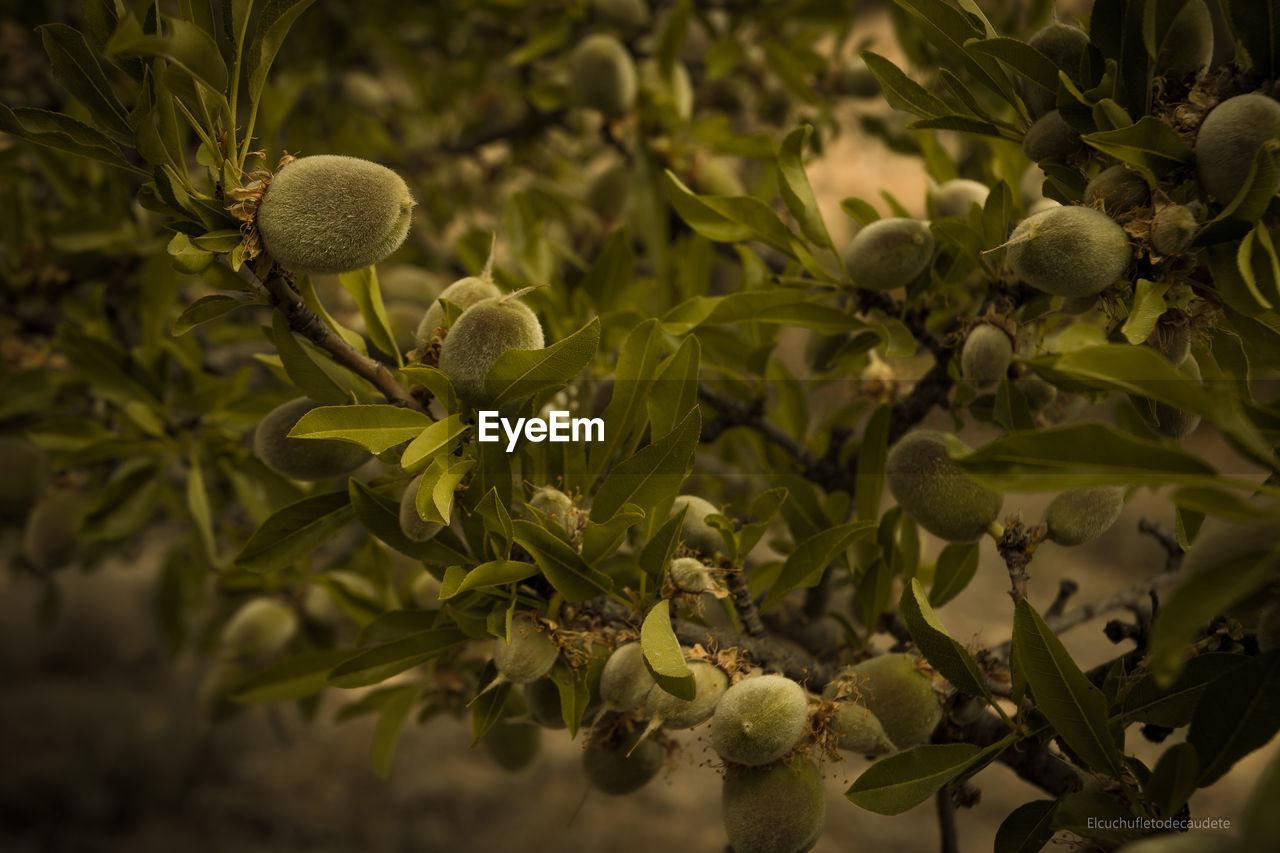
(375, 427)
(296, 678)
(902, 781)
(203, 310)
(379, 663)
(1241, 714)
(362, 284)
(76, 68)
(1173, 779)
(293, 532)
(956, 566)
(943, 653)
(901, 91)
(675, 392)
(273, 25)
(517, 374)
(663, 656)
(1027, 829)
(563, 567)
(601, 539)
(63, 133)
(436, 489)
(491, 574)
(198, 505)
(872, 453)
(439, 437)
(804, 566)
(391, 721)
(796, 189)
(1076, 709)
(301, 367)
(653, 474)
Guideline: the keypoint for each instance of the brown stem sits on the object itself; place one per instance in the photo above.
(307, 323)
(1016, 546)
(949, 840)
(736, 580)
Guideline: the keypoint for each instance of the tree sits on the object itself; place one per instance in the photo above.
(622, 193)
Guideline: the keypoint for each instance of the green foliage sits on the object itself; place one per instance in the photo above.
(640, 242)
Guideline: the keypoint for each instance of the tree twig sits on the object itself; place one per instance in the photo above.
(307, 323)
(736, 580)
(949, 840)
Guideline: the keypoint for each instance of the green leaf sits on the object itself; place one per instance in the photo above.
(438, 438)
(956, 566)
(633, 379)
(395, 710)
(1027, 829)
(436, 489)
(198, 505)
(782, 306)
(298, 677)
(653, 474)
(204, 309)
(186, 45)
(732, 219)
(435, 381)
(1197, 600)
(675, 391)
(1173, 779)
(1241, 714)
(63, 133)
(1088, 454)
(804, 566)
(362, 284)
(663, 656)
(796, 189)
(1261, 820)
(273, 25)
(379, 663)
(901, 91)
(380, 515)
(563, 567)
(600, 539)
(76, 68)
(295, 531)
(375, 427)
(1149, 144)
(661, 547)
(899, 782)
(872, 453)
(517, 374)
(302, 368)
(1255, 24)
(943, 653)
(1022, 58)
(1148, 305)
(1174, 705)
(613, 268)
(491, 574)
(1076, 709)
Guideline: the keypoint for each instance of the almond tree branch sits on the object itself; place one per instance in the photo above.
(280, 292)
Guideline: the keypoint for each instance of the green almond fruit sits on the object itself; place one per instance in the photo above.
(1065, 46)
(483, 332)
(50, 537)
(527, 654)
(625, 680)
(464, 293)
(1079, 515)
(935, 491)
(557, 506)
(1069, 251)
(695, 532)
(777, 808)
(759, 720)
(889, 253)
(1119, 189)
(986, 355)
(603, 75)
(331, 214)
(320, 605)
(1050, 137)
(1038, 393)
(1230, 137)
(901, 697)
(859, 731)
(1188, 44)
(621, 763)
(954, 197)
(260, 629)
(513, 745)
(413, 525)
(302, 458)
(1173, 229)
(672, 712)
(1170, 421)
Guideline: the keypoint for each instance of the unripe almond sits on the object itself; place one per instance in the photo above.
(528, 653)
(302, 458)
(50, 538)
(1188, 45)
(717, 176)
(413, 525)
(261, 628)
(408, 283)
(900, 696)
(986, 356)
(609, 194)
(1065, 46)
(674, 713)
(513, 745)
(625, 680)
(1167, 420)
(485, 331)
(621, 763)
(331, 214)
(1039, 394)
(1079, 515)
(1230, 137)
(954, 197)
(759, 720)
(1173, 229)
(889, 253)
(603, 75)
(1069, 251)
(464, 293)
(26, 472)
(777, 808)
(695, 532)
(690, 575)
(1119, 189)
(1031, 187)
(935, 491)
(859, 731)
(1050, 137)
(557, 506)
(425, 590)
